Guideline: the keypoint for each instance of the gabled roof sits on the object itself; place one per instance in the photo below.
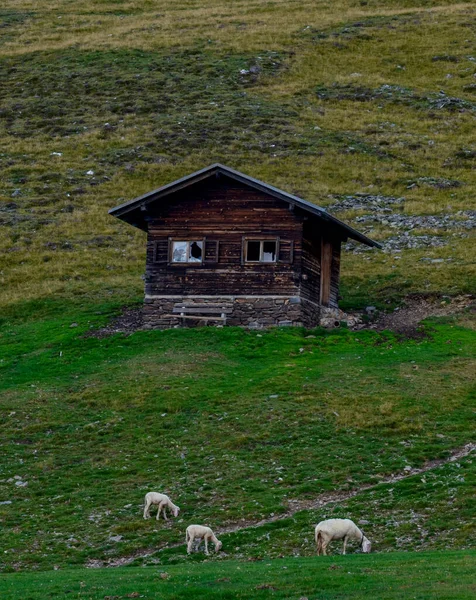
(133, 211)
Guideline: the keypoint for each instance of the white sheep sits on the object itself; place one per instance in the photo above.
(163, 501)
(338, 529)
(199, 532)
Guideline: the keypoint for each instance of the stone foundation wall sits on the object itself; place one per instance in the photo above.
(246, 311)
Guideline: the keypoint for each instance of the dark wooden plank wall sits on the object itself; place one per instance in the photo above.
(223, 212)
(326, 273)
(311, 266)
(315, 237)
(335, 273)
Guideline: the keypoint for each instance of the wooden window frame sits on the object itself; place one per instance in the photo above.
(261, 239)
(188, 240)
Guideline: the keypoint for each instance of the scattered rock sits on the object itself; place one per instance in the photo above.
(382, 213)
(439, 183)
(128, 322)
(364, 201)
(467, 220)
(395, 94)
(445, 58)
(333, 317)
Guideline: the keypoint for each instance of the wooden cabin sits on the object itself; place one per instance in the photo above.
(225, 248)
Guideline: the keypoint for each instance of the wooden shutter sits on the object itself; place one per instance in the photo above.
(286, 251)
(161, 250)
(212, 251)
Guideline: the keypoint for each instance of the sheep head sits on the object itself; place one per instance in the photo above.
(366, 545)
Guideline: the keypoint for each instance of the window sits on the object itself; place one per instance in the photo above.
(187, 251)
(263, 251)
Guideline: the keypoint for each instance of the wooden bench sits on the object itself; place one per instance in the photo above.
(207, 312)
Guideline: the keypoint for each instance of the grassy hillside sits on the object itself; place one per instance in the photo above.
(103, 101)
(366, 108)
(236, 426)
(424, 576)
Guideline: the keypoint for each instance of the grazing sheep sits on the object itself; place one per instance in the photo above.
(338, 529)
(163, 501)
(199, 532)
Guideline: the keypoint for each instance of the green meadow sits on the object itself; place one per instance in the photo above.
(391, 576)
(235, 425)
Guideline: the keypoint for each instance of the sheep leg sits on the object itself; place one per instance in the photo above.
(165, 512)
(147, 510)
(319, 543)
(190, 545)
(345, 543)
(159, 509)
(324, 548)
(206, 546)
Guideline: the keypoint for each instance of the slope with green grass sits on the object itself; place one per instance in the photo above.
(234, 425)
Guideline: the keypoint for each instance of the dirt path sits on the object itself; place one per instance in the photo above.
(407, 318)
(295, 506)
(340, 496)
